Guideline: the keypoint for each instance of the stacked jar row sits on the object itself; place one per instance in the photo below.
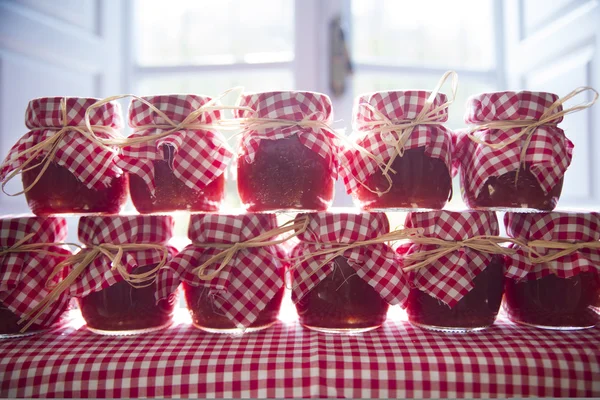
(400, 155)
(449, 271)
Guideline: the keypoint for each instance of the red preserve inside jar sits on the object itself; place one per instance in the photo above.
(476, 310)
(10, 327)
(123, 309)
(342, 302)
(172, 194)
(59, 192)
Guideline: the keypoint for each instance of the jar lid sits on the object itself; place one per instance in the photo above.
(123, 229)
(229, 228)
(397, 105)
(46, 112)
(328, 227)
(558, 226)
(175, 106)
(507, 106)
(289, 105)
(44, 230)
(454, 225)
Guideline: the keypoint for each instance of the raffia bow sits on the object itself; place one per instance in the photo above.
(397, 133)
(231, 249)
(50, 146)
(20, 247)
(84, 258)
(485, 244)
(565, 248)
(530, 125)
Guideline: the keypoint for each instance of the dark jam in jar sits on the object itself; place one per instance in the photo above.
(553, 302)
(420, 181)
(206, 316)
(501, 192)
(172, 194)
(285, 174)
(59, 192)
(123, 309)
(342, 302)
(476, 310)
(9, 324)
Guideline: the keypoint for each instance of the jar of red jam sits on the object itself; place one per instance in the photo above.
(118, 301)
(352, 291)
(555, 285)
(183, 170)
(230, 289)
(456, 278)
(288, 153)
(525, 174)
(29, 251)
(71, 171)
(420, 165)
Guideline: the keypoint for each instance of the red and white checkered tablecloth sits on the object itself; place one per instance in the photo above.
(288, 361)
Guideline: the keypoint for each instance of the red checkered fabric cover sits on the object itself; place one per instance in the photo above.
(553, 226)
(91, 164)
(251, 278)
(398, 107)
(376, 264)
(123, 229)
(292, 106)
(548, 154)
(198, 156)
(23, 276)
(450, 277)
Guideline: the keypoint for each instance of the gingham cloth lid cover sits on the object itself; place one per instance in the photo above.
(548, 154)
(449, 278)
(553, 226)
(292, 106)
(251, 278)
(398, 107)
(92, 164)
(23, 276)
(122, 229)
(376, 264)
(199, 156)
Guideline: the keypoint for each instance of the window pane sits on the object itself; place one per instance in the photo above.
(458, 34)
(372, 82)
(213, 32)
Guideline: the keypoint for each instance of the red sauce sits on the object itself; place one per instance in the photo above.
(477, 309)
(9, 323)
(419, 182)
(554, 302)
(59, 192)
(172, 194)
(206, 315)
(285, 175)
(121, 307)
(501, 191)
(342, 301)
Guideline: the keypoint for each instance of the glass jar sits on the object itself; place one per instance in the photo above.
(184, 170)
(81, 176)
(500, 178)
(462, 290)
(246, 293)
(352, 292)
(111, 304)
(421, 174)
(288, 154)
(559, 292)
(24, 272)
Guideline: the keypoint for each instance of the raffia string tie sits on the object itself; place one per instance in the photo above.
(565, 248)
(231, 249)
(334, 250)
(84, 258)
(529, 126)
(50, 146)
(397, 133)
(40, 248)
(485, 244)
